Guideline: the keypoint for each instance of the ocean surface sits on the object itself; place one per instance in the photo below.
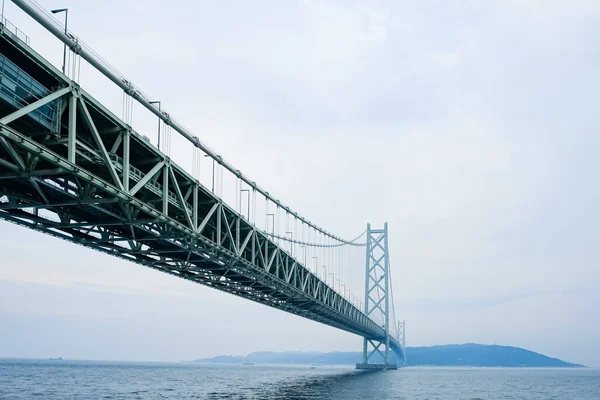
(46, 379)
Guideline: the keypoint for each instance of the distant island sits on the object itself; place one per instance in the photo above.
(456, 355)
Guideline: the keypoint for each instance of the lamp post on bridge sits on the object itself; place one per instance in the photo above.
(304, 259)
(291, 242)
(213, 183)
(157, 102)
(267, 227)
(66, 11)
(241, 191)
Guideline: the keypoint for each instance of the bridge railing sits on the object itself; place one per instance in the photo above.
(14, 29)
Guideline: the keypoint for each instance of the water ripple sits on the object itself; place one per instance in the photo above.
(25, 379)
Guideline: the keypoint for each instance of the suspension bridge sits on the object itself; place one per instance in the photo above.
(72, 169)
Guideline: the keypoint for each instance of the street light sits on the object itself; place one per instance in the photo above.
(267, 227)
(304, 260)
(291, 242)
(247, 191)
(66, 10)
(213, 173)
(157, 102)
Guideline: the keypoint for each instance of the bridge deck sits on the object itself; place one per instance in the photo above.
(77, 172)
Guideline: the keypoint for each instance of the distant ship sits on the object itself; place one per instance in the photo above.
(56, 359)
(248, 363)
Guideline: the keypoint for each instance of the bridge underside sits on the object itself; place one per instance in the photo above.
(71, 169)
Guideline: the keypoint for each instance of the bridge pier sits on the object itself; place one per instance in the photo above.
(376, 367)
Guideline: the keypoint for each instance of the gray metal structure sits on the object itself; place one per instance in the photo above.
(377, 298)
(71, 169)
(402, 339)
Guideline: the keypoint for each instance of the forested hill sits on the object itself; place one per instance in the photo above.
(477, 355)
(481, 356)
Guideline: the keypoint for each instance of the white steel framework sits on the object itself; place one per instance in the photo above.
(90, 179)
(71, 169)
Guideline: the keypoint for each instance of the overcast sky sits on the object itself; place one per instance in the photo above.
(471, 127)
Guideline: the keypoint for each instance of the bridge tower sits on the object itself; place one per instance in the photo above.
(377, 299)
(402, 339)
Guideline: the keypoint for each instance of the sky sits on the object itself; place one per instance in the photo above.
(470, 127)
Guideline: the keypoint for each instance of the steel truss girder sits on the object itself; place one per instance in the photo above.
(170, 242)
(84, 176)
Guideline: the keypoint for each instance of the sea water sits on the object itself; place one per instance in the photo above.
(49, 379)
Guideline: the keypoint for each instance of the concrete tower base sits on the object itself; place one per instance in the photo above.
(377, 367)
